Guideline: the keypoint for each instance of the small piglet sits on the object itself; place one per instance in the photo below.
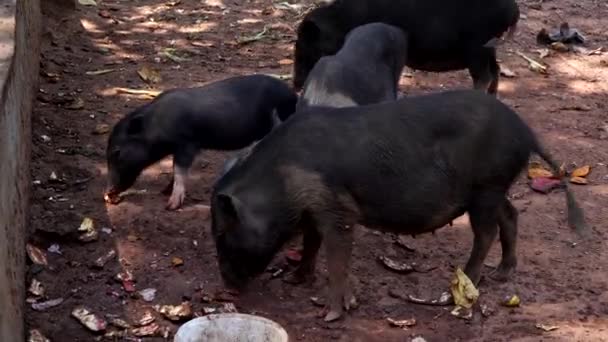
(365, 70)
(225, 115)
(409, 166)
(442, 35)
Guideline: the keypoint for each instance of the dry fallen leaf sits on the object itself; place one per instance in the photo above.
(463, 290)
(286, 61)
(506, 72)
(88, 319)
(534, 65)
(36, 255)
(78, 103)
(582, 171)
(36, 288)
(99, 72)
(36, 336)
(559, 46)
(149, 75)
(546, 327)
(395, 265)
(542, 53)
(402, 323)
(578, 180)
(511, 301)
(87, 2)
(101, 129)
(536, 171)
(176, 312)
(175, 261)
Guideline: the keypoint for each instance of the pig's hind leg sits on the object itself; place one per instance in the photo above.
(507, 222)
(311, 244)
(484, 69)
(182, 160)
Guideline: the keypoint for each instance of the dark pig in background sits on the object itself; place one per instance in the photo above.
(229, 114)
(442, 35)
(409, 166)
(365, 70)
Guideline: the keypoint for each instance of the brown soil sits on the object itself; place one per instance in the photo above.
(560, 282)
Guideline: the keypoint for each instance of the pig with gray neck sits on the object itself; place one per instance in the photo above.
(365, 70)
(226, 115)
(409, 166)
(442, 35)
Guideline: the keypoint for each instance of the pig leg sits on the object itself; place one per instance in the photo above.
(494, 73)
(169, 188)
(480, 69)
(484, 222)
(338, 248)
(181, 163)
(507, 221)
(306, 269)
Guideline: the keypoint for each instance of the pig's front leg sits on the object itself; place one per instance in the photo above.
(338, 248)
(306, 270)
(181, 164)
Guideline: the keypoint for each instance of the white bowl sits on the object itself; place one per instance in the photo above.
(231, 327)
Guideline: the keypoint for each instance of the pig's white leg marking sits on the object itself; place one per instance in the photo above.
(178, 194)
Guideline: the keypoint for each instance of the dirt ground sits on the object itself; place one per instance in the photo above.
(561, 281)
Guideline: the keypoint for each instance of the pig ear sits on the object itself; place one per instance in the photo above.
(310, 29)
(136, 125)
(229, 206)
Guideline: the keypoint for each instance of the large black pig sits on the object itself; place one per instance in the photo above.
(442, 35)
(326, 169)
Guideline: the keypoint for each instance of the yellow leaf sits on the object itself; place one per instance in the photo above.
(582, 171)
(536, 171)
(149, 75)
(177, 261)
(463, 290)
(578, 180)
(511, 301)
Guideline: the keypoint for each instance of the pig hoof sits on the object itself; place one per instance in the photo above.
(332, 315)
(501, 274)
(175, 202)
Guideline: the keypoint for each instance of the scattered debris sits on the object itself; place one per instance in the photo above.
(401, 242)
(106, 230)
(42, 306)
(535, 170)
(171, 54)
(559, 47)
(35, 254)
(148, 330)
(118, 322)
(511, 301)
(145, 319)
(176, 312)
(87, 2)
(209, 310)
(486, 311)
(103, 260)
(175, 261)
(36, 336)
(127, 279)
(578, 180)
(284, 77)
(395, 266)
(226, 295)
(76, 104)
(148, 294)
(418, 339)
(534, 65)
(144, 92)
(463, 290)
(546, 327)
(45, 138)
(286, 61)
(248, 39)
(317, 301)
(228, 308)
(506, 72)
(579, 175)
(53, 177)
(54, 248)
(462, 312)
(545, 185)
(88, 319)
(101, 129)
(36, 288)
(99, 72)
(149, 75)
(445, 299)
(542, 53)
(563, 35)
(89, 233)
(402, 323)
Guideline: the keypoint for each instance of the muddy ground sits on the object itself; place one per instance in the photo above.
(561, 282)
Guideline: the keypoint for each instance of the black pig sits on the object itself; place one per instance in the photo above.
(225, 115)
(442, 35)
(326, 169)
(365, 70)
